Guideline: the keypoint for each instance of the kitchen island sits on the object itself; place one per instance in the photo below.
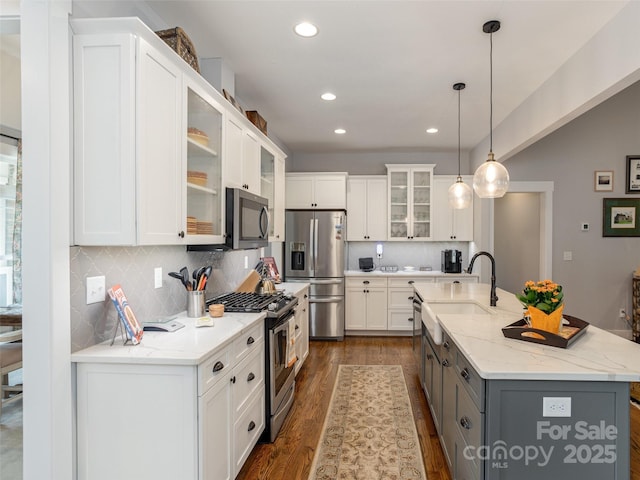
(510, 409)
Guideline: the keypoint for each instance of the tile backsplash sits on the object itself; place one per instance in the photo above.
(133, 268)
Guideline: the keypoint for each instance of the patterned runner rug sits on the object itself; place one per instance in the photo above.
(369, 431)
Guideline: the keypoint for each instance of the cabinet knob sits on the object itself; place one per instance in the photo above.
(445, 362)
(465, 423)
(233, 379)
(297, 327)
(446, 345)
(305, 296)
(250, 341)
(217, 367)
(252, 425)
(410, 298)
(181, 233)
(250, 377)
(465, 374)
(429, 356)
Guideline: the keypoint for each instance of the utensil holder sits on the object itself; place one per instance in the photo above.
(195, 303)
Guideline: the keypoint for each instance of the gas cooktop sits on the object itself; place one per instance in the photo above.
(275, 303)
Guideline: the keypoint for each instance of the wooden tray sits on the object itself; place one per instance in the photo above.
(569, 334)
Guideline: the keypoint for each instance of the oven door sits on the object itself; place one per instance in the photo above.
(281, 374)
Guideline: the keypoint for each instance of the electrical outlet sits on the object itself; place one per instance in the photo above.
(568, 255)
(556, 406)
(246, 261)
(95, 289)
(622, 313)
(157, 277)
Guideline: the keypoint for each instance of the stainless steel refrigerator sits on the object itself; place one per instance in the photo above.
(314, 253)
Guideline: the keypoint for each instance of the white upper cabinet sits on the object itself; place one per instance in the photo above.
(272, 187)
(127, 142)
(316, 190)
(450, 224)
(367, 208)
(154, 144)
(410, 204)
(242, 154)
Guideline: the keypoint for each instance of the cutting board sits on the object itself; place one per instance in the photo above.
(250, 283)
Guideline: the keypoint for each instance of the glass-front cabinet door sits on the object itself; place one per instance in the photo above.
(204, 188)
(409, 201)
(267, 183)
(421, 206)
(399, 205)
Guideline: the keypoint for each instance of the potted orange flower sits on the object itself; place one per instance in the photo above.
(544, 303)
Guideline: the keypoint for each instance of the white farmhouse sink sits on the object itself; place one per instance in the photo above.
(431, 311)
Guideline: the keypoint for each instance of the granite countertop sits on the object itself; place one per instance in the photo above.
(596, 356)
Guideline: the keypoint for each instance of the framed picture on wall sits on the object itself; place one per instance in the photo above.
(633, 174)
(620, 217)
(603, 181)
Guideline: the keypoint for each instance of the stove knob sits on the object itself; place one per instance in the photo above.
(272, 307)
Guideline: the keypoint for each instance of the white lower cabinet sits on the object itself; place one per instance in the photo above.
(401, 302)
(157, 422)
(302, 328)
(366, 303)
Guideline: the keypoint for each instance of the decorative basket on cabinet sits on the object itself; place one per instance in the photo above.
(177, 39)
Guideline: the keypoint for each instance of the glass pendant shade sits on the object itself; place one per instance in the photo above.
(491, 179)
(460, 194)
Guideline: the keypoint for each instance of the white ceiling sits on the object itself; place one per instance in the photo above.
(392, 63)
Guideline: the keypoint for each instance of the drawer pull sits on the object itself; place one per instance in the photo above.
(366, 282)
(250, 341)
(218, 366)
(410, 319)
(233, 379)
(252, 425)
(250, 377)
(446, 345)
(465, 374)
(456, 281)
(410, 282)
(465, 423)
(410, 298)
(429, 356)
(445, 363)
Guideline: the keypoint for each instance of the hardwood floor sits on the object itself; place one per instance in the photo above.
(291, 455)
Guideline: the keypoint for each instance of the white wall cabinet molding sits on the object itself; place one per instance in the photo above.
(450, 224)
(367, 208)
(316, 190)
(272, 187)
(410, 201)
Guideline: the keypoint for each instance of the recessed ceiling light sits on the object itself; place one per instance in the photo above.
(340, 131)
(328, 96)
(306, 29)
(432, 130)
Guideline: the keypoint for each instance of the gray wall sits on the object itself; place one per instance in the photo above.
(597, 282)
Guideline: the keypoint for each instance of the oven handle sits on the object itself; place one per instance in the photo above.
(326, 300)
(337, 281)
(283, 323)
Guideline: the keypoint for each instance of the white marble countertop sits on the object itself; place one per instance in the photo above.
(190, 345)
(596, 356)
(405, 273)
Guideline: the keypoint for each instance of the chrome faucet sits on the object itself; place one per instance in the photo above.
(494, 297)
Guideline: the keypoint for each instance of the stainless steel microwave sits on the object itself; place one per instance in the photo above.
(246, 220)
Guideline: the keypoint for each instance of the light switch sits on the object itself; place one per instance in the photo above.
(95, 289)
(568, 255)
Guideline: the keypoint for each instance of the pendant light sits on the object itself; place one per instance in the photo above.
(491, 179)
(460, 194)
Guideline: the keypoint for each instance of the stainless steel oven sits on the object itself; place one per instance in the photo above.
(279, 375)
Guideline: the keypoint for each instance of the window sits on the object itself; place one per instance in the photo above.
(8, 257)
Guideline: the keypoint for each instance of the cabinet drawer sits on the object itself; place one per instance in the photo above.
(470, 379)
(248, 428)
(407, 282)
(358, 282)
(213, 369)
(247, 378)
(469, 420)
(248, 341)
(465, 468)
(400, 320)
(401, 298)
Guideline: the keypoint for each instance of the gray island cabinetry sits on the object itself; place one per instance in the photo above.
(508, 409)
